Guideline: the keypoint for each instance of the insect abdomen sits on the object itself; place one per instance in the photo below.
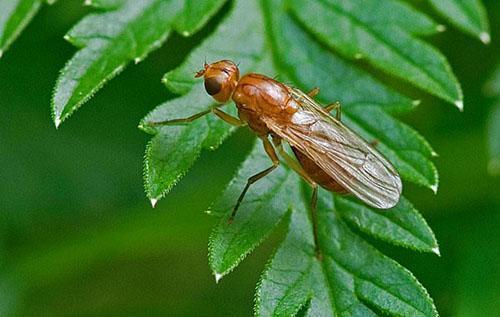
(317, 174)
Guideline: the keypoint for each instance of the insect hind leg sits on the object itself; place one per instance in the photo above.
(254, 178)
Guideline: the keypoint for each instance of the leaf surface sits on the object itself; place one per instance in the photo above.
(14, 17)
(468, 15)
(352, 279)
(349, 28)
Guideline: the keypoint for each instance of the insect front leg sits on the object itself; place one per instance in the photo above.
(228, 118)
(178, 121)
(335, 106)
(219, 113)
(268, 147)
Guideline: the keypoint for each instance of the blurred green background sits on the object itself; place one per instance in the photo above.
(79, 238)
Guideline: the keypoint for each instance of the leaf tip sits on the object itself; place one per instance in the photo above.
(185, 33)
(440, 28)
(88, 2)
(137, 60)
(1, 53)
(436, 251)
(416, 102)
(460, 104)
(153, 201)
(485, 37)
(218, 277)
(57, 122)
(434, 188)
(358, 56)
(434, 154)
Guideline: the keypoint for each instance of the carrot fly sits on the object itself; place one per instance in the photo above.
(327, 152)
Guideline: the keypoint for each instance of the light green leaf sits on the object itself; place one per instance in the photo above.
(390, 46)
(14, 17)
(195, 14)
(402, 225)
(351, 278)
(467, 15)
(265, 204)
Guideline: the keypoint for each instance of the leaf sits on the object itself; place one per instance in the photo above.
(362, 97)
(236, 38)
(352, 279)
(492, 88)
(265, 204)
(160, 173)
(14, 17)
(402, 225)
(467, 15)
(195, 14)
(351, 29)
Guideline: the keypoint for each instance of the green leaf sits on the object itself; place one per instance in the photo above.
(265, 204)
(363, 99)
(237, 38)
(352, 278)
(402, 225)
(355, 32)
(195, 14)
(108, 41)
(160, 173)
(492, 88)
(467, 15)
(14, 17)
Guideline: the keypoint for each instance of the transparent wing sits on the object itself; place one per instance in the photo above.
(340, 152)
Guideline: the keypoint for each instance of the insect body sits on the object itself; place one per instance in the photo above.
(328, 153)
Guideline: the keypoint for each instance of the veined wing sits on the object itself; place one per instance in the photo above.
(340, 152)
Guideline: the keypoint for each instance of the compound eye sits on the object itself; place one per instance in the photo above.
(212, 86)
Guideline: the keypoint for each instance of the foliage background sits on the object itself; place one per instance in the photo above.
(77, 236)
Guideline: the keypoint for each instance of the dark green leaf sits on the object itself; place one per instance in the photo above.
(195, 14)
(353, 31)
(402, 225)
(351, 275)
(14, 17)
(108, 41)
(237, 38)
(468, 15)
(492, 88)
(359, 94)
(265, 204)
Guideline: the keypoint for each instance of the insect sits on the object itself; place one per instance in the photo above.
(328, 154)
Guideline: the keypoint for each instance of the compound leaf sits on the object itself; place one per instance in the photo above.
(468, 15)
(14, 17)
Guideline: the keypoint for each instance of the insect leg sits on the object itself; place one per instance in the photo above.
(228, 118)
(272, 154)
(337, 106)
(314, 204)
(313, 92)
(179, 121)
(292, 163)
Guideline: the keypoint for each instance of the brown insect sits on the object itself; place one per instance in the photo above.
(328, 153)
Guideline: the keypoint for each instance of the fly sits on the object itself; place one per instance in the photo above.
(328, 154)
